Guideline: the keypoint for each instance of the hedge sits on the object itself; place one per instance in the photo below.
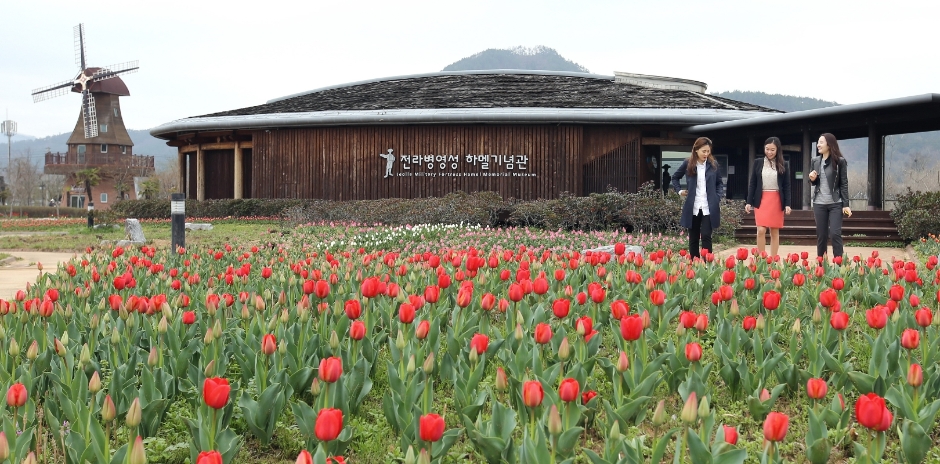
(42, 211)
(917, 214)
(646, 210)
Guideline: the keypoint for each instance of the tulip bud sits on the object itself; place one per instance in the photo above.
(138, 456)
(282, 347)
(690, 410)
(246, 314)
(703, 408)
(85, 355)
(735, 310)
(410, 368)
(59, 348)
(817, 316)
(115, 336)
(315, 387)
(122, 313)
(272, 324)
(760, 322)
(400, 340)
(133, 414)
(95, 320)
(31, 457)
(895, 316)
(14, 348)
(518, 334)
(915, 376)
(429, 364)
(564, 349)
(680, 330)
(208, 338)
(209, 371)
(94, 385)
(796, 329)
(554, 421)
(424, 457)
(623, 363)
(217, 330)
(4, 447)
(285, 316)
(645, 317)
(614, 432)
(580, 329)
(162, 326)
(474, 357)
(65, 338)
(659, 416)
(502, 383)
(764, 395)
(153, 357)
(410, 456)
(130, 322)
(33, 351)
(107, 409)
(334, 340)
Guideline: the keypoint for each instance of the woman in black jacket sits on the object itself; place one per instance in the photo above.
(701, 213)
(768, 193)
(830, 194)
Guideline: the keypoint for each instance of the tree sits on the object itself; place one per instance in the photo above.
(150, 188)
(90, 177)
(24, 179)
(169, 178)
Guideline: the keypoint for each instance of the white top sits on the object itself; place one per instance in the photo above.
(701, 196)
(769, 176)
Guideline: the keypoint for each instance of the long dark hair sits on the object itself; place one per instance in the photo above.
(779, 165)
(834, 151)
(700, 142)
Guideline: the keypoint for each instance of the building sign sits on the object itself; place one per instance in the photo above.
(457, 166)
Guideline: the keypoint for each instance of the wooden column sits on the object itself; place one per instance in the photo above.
(751, 154)
(182, 167)
(876, 166)
(807, 167)
(239, 187)
(200, 173)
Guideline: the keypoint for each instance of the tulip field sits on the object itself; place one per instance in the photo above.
(446, 344)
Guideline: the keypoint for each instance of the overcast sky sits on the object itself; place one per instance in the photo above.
(198, 57)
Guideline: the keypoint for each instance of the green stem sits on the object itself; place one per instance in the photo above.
(532, 422)
(212, 430)
(682, 437)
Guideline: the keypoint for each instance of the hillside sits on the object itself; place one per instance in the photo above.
(144, 144)
(777, 101)
(536, 58)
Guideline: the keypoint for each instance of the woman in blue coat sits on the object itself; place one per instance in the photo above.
(700, 213)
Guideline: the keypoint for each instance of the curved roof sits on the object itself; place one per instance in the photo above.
(492, 96)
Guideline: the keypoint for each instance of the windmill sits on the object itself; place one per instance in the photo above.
(90, 80)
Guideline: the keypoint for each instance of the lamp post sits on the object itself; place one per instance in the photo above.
(8, 128)
(42, 193)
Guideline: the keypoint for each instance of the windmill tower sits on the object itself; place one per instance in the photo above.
(99, 140)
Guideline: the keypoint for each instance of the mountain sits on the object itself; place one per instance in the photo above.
(538, 58)
(144, 144)
(777, 101)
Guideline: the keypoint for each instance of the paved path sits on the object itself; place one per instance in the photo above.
(14, 276)
(886, 254)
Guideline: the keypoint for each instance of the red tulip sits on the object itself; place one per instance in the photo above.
(872, 413)
(631, 327)
(598, 295)
(543, 333)
(303, 458)
(581, 297)
(330, 369)
(369, 287)
(322, 289)
(17, 395)
(839, 320)
(725, 293)
(488, 301)
(687, 319)
(584, 325)
(211, 457)
(741, 254)
(816, 388)
(749, 283)
(749, 323)
(568, 390)
(540, 286)
(329, 424)
(357, 330)
(877, 317)
(658, 297)
(215, 392)
(915, 375)
(701, 322)
(731, 434)
(422, 329)
(268, 344)
(353, 309)
(308, 287)
(515, 293)
(693, 352)
(406, 313)
(771, 300)
(561, 307)
(838, 283)
(619, 309)
(189, 317)
(587, 396)
(479, 342)
(431, 427)
(532, 393)
(775, 426)
(799, 279)
(828, 298)
(910, 339)
(432, 293)
(896, 292)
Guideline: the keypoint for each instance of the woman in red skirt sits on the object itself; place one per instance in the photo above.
(768, 193)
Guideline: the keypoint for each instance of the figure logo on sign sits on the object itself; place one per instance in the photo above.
(389, 163)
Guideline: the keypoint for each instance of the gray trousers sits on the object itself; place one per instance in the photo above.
(828, 226)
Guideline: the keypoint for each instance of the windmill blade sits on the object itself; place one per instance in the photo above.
(50, 91)
(112, 71)
(89, 115)
(81, 58)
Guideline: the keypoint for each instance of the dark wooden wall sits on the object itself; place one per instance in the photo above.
(220, 174)
(343, 163)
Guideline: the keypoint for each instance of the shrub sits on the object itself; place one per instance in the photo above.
(917, 214)
(43, 211)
